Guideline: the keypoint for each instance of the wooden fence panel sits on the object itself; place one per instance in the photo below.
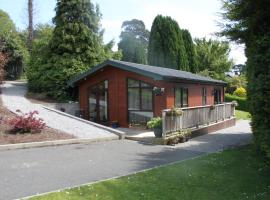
(193, 117)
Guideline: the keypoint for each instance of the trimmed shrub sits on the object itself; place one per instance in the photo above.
(240, 92)
(242, 102)
(26, 123)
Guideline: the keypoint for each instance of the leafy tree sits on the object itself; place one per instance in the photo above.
(213, 56)
(166, 46)
(109, 53)
(134, 40)
(236, 82)
(13, 46)
(247, 22)
(190, 51)
(74, 46)
(38, 58)
(3, 61)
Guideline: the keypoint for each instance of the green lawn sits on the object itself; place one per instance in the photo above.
(230, 175)
(242, 115)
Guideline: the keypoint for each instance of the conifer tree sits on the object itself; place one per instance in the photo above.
(247, 22)
(166, 46)
(190, 51)
(75, 46)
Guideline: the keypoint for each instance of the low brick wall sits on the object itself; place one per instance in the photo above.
(214, 127)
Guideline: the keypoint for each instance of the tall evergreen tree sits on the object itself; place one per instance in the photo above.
(247, 22)
(76, 44)
(190, 51)
(134, 41)
(166, 46)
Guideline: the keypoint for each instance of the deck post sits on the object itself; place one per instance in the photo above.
(164, 124)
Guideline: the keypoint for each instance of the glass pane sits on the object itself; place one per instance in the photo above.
(93, 107)
(204, 96)
(147, 99)
(178, 97)
(139, 117)
(133, 99)
(106, 83)
(145, 85)
(103, 106)
(133, 83)
(185, 98)
(217, 96)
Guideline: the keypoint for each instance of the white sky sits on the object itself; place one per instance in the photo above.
(200, 17)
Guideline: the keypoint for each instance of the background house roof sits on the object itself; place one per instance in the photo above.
(157, 73)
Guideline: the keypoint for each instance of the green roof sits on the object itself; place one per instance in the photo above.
(154, 72)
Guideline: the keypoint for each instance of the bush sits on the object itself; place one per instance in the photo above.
(155, 123)
(240, 92)
(26, 123)
(236, 82)
(241, 101)
(3, 61)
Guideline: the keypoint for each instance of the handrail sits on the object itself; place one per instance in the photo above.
(193, 117)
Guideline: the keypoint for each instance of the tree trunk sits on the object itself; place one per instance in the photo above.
(30, 24)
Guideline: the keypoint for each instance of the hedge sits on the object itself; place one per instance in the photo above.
(242, 102)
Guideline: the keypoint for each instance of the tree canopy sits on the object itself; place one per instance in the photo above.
(213, 57)
(166, 46)
(12, 45)
(134, 40)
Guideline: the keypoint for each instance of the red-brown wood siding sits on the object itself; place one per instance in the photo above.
(117, 93)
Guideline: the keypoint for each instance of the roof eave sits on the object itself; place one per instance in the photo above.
(76, 79)
(174, 79)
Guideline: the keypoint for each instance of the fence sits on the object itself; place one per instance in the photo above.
(194, 117)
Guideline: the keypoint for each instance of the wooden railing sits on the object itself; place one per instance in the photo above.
(194, 117)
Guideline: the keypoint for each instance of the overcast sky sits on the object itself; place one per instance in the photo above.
(198, 16)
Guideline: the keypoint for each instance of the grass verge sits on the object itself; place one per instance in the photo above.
(232, 174)
(242, 115)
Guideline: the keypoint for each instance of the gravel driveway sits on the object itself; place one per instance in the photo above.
(13, 98)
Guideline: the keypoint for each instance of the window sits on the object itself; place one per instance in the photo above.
(204, 96)
(181, 97)
(217, 96)
(140, 101)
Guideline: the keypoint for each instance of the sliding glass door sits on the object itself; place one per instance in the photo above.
(98, 102)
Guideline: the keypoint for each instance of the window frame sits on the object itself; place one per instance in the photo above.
(204, 96)
(140, 87)
(140, 98)
(219, 96)
(182, 89)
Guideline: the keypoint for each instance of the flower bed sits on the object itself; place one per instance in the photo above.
(47, 134)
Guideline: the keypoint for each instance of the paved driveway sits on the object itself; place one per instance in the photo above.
(30, 171)
(13, 98)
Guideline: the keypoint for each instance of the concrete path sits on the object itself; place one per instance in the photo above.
(13, 98)
(31, 171)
